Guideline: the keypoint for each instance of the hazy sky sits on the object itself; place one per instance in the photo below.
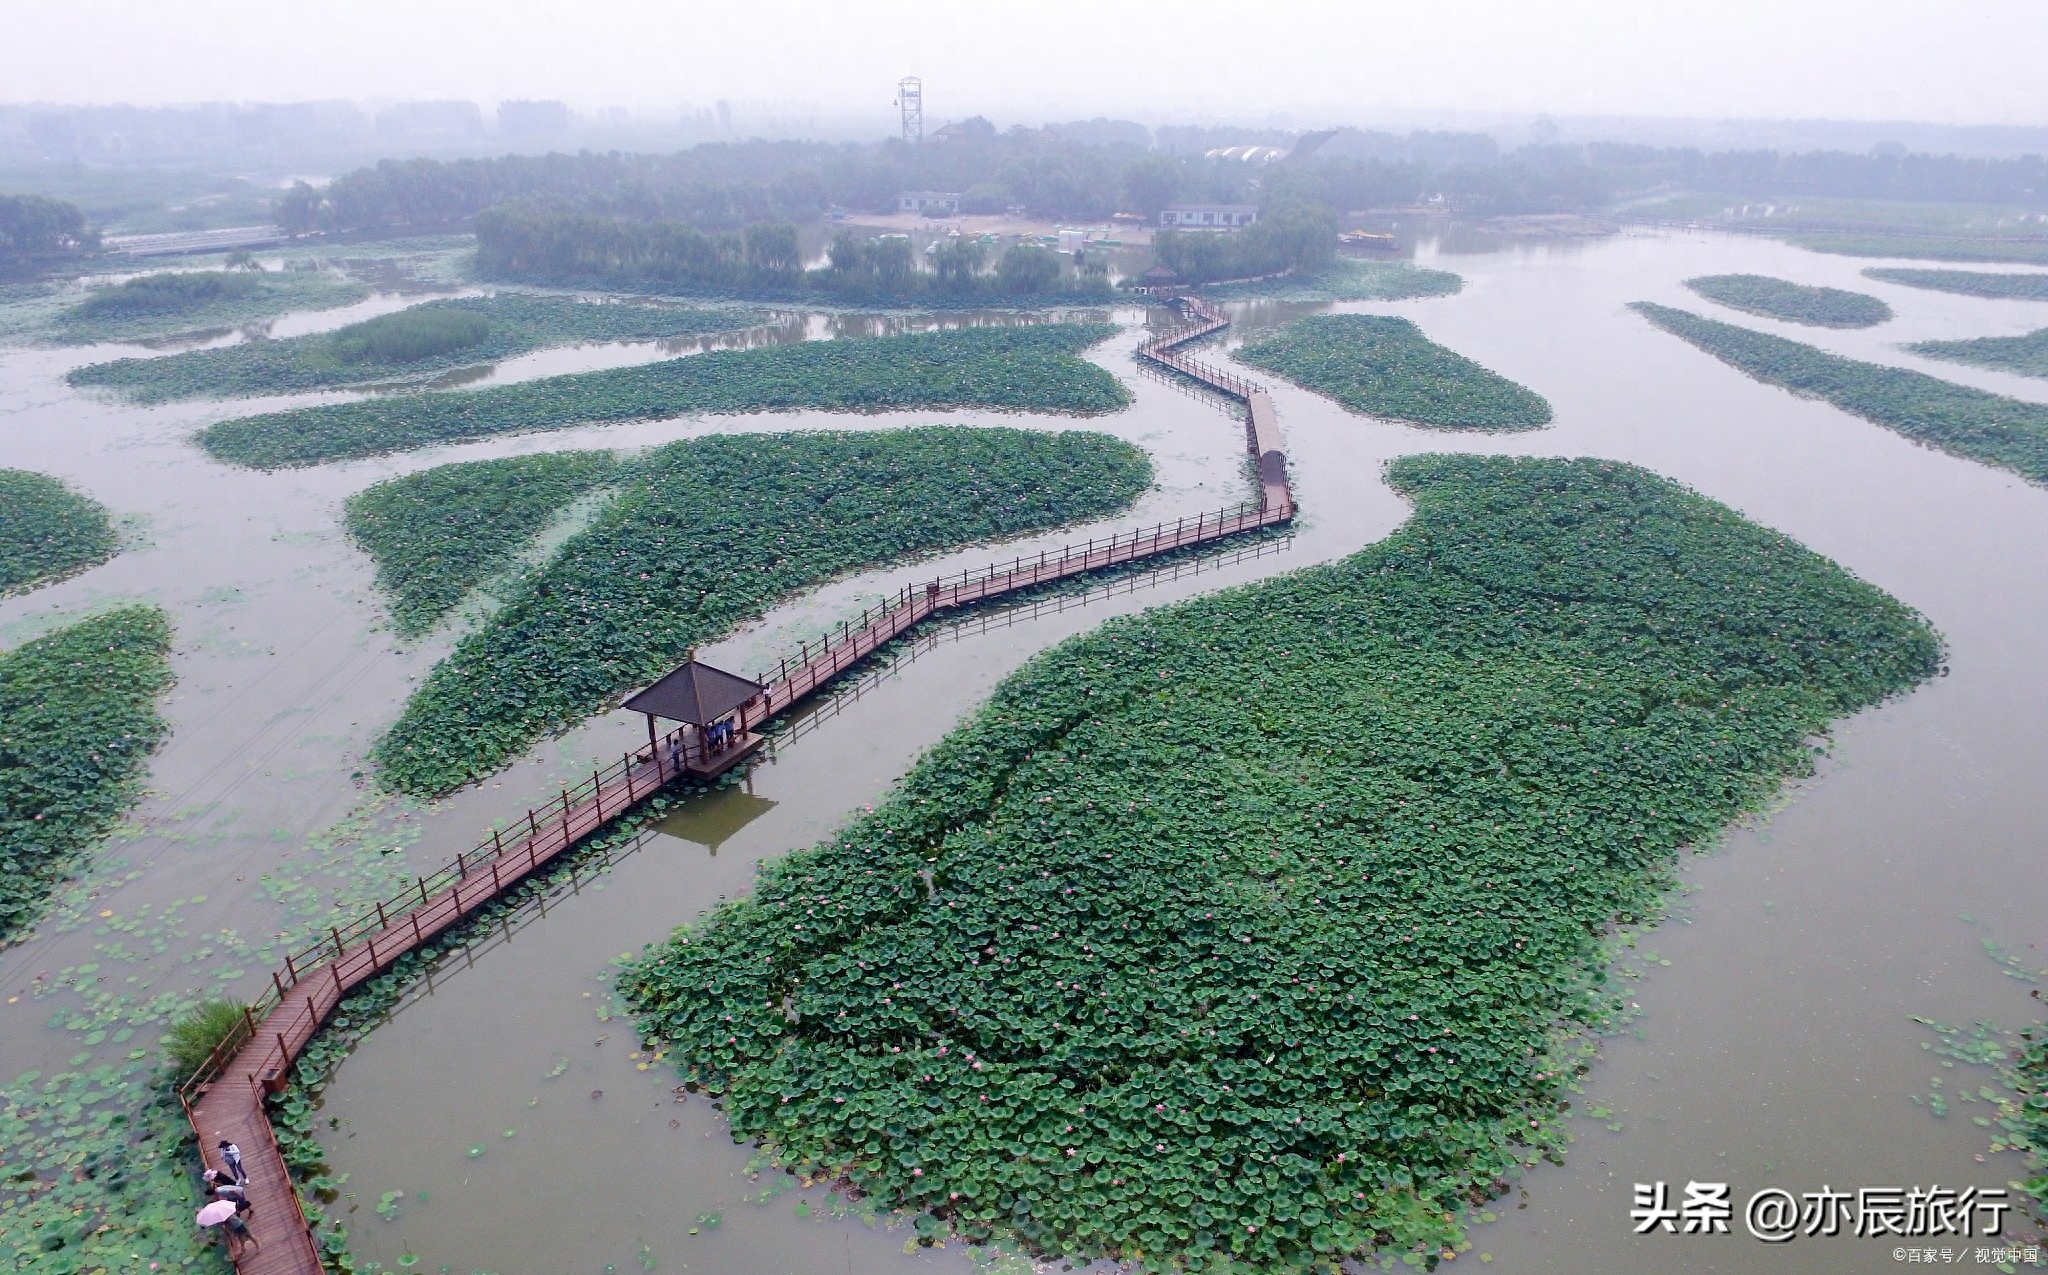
(1956, 61)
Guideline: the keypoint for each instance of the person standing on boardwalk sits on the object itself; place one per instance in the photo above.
(231, 1155)
(221, 1213)
(239, 1235)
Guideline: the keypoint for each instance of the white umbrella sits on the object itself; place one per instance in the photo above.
(217, 1212)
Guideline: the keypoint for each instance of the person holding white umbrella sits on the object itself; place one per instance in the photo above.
(221, 1213)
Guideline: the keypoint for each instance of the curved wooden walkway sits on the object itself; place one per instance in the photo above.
(224, 1100)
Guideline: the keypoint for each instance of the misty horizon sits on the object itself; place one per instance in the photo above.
(1318, 65)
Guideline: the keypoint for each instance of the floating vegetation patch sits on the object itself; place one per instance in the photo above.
(1792, 302)
(1378, 365)
(2015, 1111)
(78, 720)
(1250, 932)
(112, 1187)
(1924, 247)
(1349, 279)
(708, 533)
(407, 346)
(1969, 283)
(2026, 355)
(47, 531)
(158, 305)
(2007, 432)
(437, 534)
(106, 1186)
(1026, 368)
(2030, 1114)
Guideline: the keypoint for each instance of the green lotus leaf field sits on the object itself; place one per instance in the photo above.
(1968, 283)
(1793, 302)
(78, 722)
(1379, 365)
(710, 532)
(1990, 428)
(1014, 368)
(437, 534)
(47, 531)
(1241, 934)
(405, 346)
(2026, 354)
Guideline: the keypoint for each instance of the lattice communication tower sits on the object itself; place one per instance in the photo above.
(910, 98)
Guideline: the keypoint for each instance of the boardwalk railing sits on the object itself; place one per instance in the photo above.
(223, 1099)
(878, 625)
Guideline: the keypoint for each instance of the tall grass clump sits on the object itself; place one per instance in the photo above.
(166, 294)
(1249, 933)
(192, 1038)
(161, 305)
(409, 335)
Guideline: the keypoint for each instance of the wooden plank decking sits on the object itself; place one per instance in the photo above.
(225, 1100)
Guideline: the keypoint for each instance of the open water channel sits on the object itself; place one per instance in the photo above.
(1777, 1046)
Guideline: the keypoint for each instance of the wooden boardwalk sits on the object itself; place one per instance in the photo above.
(224, 1100)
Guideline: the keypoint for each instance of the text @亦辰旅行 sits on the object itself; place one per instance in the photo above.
(1776, 1216)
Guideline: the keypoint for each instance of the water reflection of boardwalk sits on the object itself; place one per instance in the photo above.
(225, 1100)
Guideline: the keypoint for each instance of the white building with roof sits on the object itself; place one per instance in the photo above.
(1209, 216)
(929, 203)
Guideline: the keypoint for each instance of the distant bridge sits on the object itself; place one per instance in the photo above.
(183, 242)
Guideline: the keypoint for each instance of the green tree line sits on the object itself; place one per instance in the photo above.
(36, 231)
(557, 244)
(1088, 172)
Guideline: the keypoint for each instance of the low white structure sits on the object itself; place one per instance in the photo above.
(1247, 154)
(930, 203)
(1209, 216)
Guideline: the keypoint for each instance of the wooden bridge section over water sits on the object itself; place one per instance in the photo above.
(224, 1100)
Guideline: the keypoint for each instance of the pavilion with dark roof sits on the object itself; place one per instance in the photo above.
(711, 703)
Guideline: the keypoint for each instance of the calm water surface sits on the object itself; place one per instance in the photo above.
(1778, 1047)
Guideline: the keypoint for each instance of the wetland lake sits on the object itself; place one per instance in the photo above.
(1777, 1042)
